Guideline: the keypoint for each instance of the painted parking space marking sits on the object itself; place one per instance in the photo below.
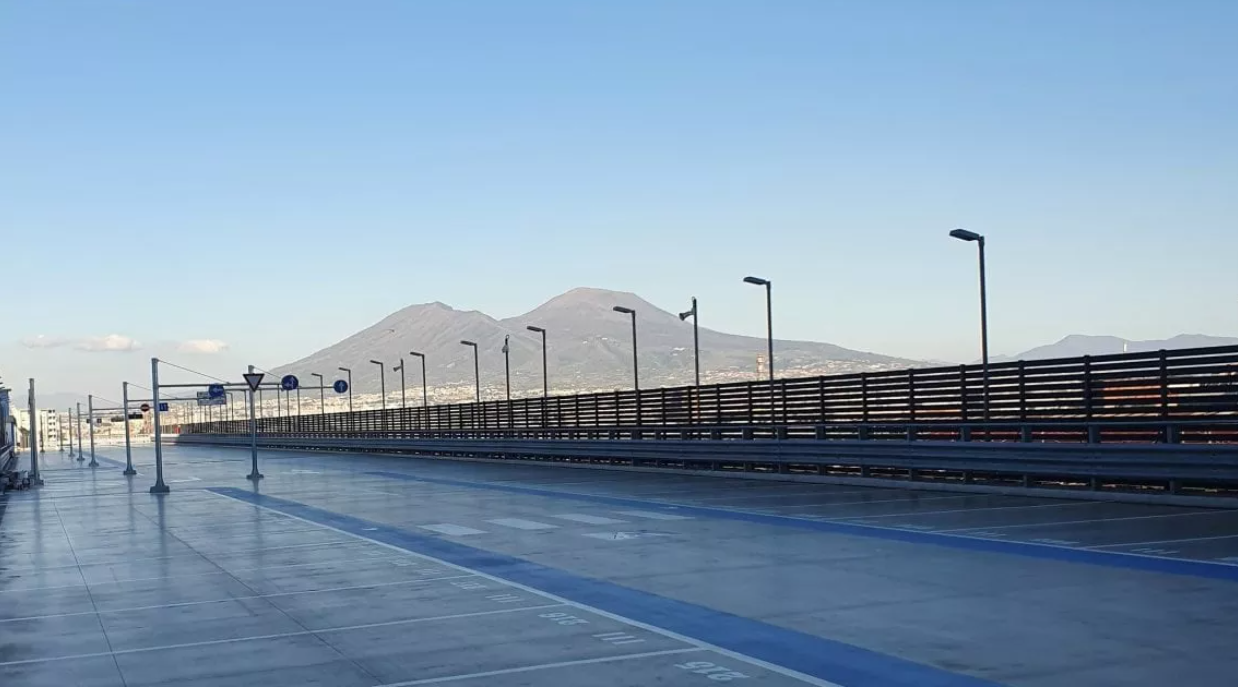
(448, 529)
(588, 519)
(522, 524)
(652, 515)
(1185, 540)
(969, 540)
(808, 658)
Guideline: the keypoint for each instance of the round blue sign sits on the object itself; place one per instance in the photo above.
(289, 383)
(340, 386)
(215, 391)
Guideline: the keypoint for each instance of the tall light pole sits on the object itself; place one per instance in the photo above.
(349, 372)
(424, 396)
(382, 382)
(403, 398)
(322, 394)
(696, 339)
(545, 373)
(507, 365)
(476, 369)
(769, 319)
(69, 425)
(81, 455)
(965, 235)
(635, 372)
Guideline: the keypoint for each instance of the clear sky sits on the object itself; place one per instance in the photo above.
(275, 175)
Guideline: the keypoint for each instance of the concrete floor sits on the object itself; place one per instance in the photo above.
(364, 570)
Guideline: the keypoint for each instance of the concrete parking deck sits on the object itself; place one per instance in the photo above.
(370, 570)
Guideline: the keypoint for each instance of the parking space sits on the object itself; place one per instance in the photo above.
(386, 571)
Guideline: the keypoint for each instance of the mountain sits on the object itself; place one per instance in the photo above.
(1080, 344)
(588, 348)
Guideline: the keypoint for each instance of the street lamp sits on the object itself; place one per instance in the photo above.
(382, 383)
(635, 373)
(476, 369)
(403, 398)
(345, 369)
(507, 365)
(769, 318)
(322, 394)
(424, 397)
(696, 339)
(545, 375)
(965, 235)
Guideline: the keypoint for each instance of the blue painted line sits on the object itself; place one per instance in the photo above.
(822, 658)
(1107, 559)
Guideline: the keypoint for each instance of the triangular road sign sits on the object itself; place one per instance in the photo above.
(253, 379)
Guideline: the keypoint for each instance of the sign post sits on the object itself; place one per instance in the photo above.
(90, 420)
(124, 397)
(160, 487)
(253, 379)
(81, 454)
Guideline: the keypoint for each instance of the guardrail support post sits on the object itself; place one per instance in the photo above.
(1171, 434)
(780, 432)
(964, 433)
(1093, 434)
(1025, 434)
(747, 434)
(819, 432)
(862, 432)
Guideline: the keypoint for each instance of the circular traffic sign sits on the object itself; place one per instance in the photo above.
(340, 386)
(289, 383)
(215, 391)
(145, 407)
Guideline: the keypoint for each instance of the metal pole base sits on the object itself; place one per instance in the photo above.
(130, 472)
(36, 481)
(93, 463)
(160, 488)
(80, 457)
(255, 476)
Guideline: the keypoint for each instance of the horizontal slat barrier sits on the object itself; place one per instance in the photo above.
(1188, 385)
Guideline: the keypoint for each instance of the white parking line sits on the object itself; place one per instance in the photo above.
(1165, 541)
(452, 530)
(543, 666)
(652, 515)
(588, 519)
(909, 514)
(788, 672)
(1096, 520)
(521, 524)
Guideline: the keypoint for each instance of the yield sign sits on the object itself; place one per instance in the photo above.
(253, 379)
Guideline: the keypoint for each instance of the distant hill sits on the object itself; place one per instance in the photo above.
(589, 348)
(1080, 344)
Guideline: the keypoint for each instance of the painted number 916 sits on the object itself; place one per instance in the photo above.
(711, 671)
(564, 619)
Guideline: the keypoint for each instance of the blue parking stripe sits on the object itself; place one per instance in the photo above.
(1170, 566)
(825, 659)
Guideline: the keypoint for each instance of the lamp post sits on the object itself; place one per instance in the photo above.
(635, 372)
(81, 455)
(971, 236)
(403, 397)
(349, 372)
(69, 426)
(424, 397)
(382, 382)
(507, 365)
(769, 319)
(545, 373)
(696, 339)
(322, 394)
(476, 369)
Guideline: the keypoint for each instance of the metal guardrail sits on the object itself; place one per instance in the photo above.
(1197, 385)
(1172, 469)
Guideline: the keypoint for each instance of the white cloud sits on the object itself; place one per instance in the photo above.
(42, 341)
(109, 343)
(202, 346)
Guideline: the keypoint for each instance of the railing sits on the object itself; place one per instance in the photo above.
(1182, 396)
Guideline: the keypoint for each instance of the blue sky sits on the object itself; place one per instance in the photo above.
(277, 175)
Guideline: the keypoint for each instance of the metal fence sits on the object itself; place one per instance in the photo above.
(1171, 396)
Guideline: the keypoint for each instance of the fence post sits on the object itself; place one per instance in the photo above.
(963, 393)
(864, 397)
